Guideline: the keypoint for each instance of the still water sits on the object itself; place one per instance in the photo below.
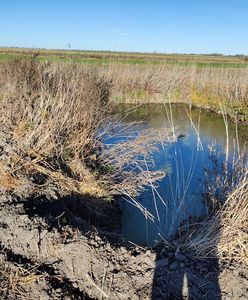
(179, 196)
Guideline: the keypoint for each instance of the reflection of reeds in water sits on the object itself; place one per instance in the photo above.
(130, 158)
(179, 190)
(223, 231)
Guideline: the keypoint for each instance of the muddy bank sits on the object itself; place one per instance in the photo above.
(42, 257)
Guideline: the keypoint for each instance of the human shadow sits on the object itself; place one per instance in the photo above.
(182, 274)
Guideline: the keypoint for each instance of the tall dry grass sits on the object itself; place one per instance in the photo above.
(53, 113)
(210, 88)
(56, 116)
(223, 233)
(132, 83)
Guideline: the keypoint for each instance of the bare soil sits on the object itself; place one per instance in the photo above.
(43, 259)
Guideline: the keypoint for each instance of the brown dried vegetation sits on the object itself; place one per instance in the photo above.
(53, 113)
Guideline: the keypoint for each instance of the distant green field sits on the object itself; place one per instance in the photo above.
(107, 57)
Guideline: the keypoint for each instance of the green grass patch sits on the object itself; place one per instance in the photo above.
(107, 57)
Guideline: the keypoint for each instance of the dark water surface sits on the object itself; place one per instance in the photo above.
(180, 195)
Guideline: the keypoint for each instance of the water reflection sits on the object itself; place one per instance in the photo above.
(180, 195)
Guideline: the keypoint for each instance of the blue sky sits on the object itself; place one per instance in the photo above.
(182, 26)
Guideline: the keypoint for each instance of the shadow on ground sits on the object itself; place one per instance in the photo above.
(81, 212)
(62, 238)
(177, 274)
(181, 275)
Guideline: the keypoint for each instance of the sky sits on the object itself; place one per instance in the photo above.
(166, 26)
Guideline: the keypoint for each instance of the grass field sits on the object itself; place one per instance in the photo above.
(107, 57)
(214, 82)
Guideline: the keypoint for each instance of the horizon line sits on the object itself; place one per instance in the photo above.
(122, 51)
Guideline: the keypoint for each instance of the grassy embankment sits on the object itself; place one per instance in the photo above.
(224, 233)
(52, 119)
(216, 89)
(215, 82)
(43, 110)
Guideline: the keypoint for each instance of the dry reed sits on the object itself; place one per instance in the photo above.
(205, 87)
(224, 233)
(53, 113)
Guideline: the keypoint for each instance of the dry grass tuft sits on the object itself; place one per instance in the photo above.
(130, 161)
(53, 113)
(16, 278)
(224, 234)
(8, 181)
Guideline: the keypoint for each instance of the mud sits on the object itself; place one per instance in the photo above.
(42, 258)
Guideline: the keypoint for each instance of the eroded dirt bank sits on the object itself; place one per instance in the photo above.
(42, 257)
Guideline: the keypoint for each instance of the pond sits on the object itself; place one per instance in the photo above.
(179, 196)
